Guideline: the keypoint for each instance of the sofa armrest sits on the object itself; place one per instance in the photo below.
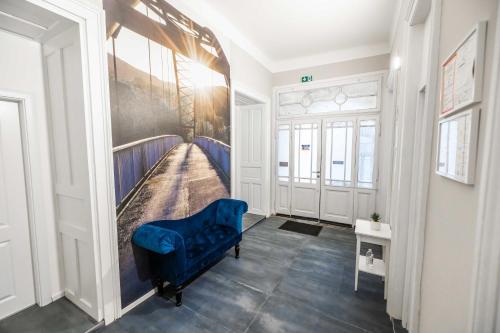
(157, 239)
(230, 213)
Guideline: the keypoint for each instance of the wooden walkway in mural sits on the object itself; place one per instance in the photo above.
(183, 183)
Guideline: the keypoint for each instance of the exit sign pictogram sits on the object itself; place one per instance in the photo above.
(306, 78)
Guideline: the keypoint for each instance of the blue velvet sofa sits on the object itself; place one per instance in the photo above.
(179, 250)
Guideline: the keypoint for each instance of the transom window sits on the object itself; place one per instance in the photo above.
(358, 96)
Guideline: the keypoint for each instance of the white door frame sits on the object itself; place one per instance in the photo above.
(91, 22)
(38, 242)
(484, 310)
(405, 287)
(239, 87)
(275, 117)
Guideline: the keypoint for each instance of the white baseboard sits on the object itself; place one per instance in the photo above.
(57, 295)
(141, 299)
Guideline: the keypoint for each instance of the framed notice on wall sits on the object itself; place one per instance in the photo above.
(457, 146)
(462, 73)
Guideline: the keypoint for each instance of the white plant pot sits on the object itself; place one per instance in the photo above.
(375, 225)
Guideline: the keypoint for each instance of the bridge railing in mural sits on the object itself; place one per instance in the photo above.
(133, 162)
(218, 151)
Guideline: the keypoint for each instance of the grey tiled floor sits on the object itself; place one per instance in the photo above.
(283, 282)
(249, 220)
(60, 316)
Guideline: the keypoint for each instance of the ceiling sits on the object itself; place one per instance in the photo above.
(29, 20)
(299, 33)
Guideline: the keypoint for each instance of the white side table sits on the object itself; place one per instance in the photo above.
(379, 237)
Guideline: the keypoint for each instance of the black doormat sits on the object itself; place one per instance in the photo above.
(302, 228)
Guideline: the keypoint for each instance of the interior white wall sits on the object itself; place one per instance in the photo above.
(451, 215)
(337, 69)
(22, 72)
(249, 72)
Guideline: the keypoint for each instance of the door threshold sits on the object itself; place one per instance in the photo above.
(317, 221)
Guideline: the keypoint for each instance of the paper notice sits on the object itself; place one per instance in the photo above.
(448, 85)
(458, 77)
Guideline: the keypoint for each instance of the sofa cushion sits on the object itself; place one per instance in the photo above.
(230, 214)
(201, 242)
(156, 239)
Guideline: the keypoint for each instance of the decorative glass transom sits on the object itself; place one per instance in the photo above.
(359, 96)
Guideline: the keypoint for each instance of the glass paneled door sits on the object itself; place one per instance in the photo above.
(326, 168)
(348, 183)
(337, 190)
(306, 149)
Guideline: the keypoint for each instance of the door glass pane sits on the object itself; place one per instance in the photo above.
(283, 153)
(306, 153)
(338, 153)
(366, 157)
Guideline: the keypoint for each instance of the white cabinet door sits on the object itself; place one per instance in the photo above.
(16, 270)
(250, 152)
(306, 148)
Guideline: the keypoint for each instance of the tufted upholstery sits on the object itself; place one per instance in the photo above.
(156, 239)
(179, 249)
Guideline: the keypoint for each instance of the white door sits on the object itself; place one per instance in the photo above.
(306, 141)
(251, 138)
(62, 56)
(337, 190)
(16, 271)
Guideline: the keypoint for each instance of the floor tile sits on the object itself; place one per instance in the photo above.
(229, 303)
(260, 274)
(249, 220)
(283, 314)
(161, 315)
(59, 316)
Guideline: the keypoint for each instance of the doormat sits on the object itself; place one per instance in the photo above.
(301, 228)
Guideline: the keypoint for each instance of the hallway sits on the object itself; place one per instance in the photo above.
(184, 182)
(283, 282)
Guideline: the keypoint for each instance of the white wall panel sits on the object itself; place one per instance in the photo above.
(337, 205)
(69, 155)
(7, 287)
(364, 203)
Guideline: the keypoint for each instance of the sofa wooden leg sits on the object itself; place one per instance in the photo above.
(237, 251)
(159, 285)
(178, 296)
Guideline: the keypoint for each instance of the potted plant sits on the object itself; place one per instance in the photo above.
(375, 222)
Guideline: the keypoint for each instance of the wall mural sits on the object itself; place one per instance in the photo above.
(170, 109)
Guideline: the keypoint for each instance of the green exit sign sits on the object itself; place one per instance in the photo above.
(307, 78)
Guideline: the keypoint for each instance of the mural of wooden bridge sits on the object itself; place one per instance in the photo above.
(164, 178)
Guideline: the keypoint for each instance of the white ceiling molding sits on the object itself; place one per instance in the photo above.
(417, 11)
(205, 14)
(395, 23)
(330, 57)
